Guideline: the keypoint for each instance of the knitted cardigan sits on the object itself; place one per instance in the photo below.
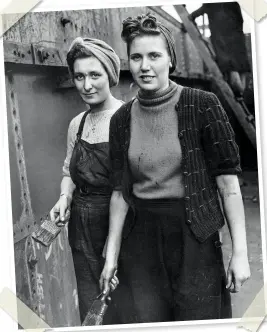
(208, 150)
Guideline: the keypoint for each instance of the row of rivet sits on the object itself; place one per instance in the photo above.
(25, 193)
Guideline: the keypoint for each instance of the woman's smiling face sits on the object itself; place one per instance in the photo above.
(91, 80)
(149, 62)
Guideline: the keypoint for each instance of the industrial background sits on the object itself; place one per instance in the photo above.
(41, 101)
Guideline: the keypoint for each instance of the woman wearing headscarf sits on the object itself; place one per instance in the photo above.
(171, 149)
(85, 188)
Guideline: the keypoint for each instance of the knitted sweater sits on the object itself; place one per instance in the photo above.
(208, 150)
(155, 152)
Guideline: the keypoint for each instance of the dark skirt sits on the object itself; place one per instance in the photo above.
(88, 230)
(169, 274)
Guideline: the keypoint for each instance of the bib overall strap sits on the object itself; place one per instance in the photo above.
(80, 130)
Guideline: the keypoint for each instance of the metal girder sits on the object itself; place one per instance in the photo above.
(40, 54)
(26, 224)
(34, 54)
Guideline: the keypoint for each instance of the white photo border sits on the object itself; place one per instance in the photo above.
(7, 246)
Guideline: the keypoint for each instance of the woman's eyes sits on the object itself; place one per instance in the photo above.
(95, 75)
(80, 77)
(135, 57)
(152, 56)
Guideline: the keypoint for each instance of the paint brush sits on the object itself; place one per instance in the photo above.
(49, 230)
(97, 311)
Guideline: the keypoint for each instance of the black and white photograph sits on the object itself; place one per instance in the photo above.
(133, 152)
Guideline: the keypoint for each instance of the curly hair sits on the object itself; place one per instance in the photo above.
(147, 24)
(78, 51)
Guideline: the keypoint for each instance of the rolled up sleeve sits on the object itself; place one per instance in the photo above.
(221, 150)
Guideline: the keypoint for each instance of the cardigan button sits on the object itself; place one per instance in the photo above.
(180, 135)
(187, 198)
(185, 173)
(218, 244)
(189, 222)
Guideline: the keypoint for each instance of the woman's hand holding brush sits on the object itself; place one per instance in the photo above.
(60, 212)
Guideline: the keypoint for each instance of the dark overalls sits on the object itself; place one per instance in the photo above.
(88, 225)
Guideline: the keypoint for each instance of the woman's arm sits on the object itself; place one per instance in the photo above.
(117, 215)
(196, 13)
(67, 186)
(238, 270)
(223, 163)
(118, 206)
(66, 190)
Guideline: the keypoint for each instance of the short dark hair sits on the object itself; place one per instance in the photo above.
(78, 51)
(147, 24)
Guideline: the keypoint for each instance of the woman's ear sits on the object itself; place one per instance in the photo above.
(170, 60)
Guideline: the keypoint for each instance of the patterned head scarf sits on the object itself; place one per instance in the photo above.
(104, 53)
(171, 45)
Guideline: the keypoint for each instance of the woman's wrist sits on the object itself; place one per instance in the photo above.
(112, 257)
(67, 196)
(111, 262)
(239, 242)
(240, 247)
(240, 251)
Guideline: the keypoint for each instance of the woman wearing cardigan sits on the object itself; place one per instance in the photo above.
(171, 148)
